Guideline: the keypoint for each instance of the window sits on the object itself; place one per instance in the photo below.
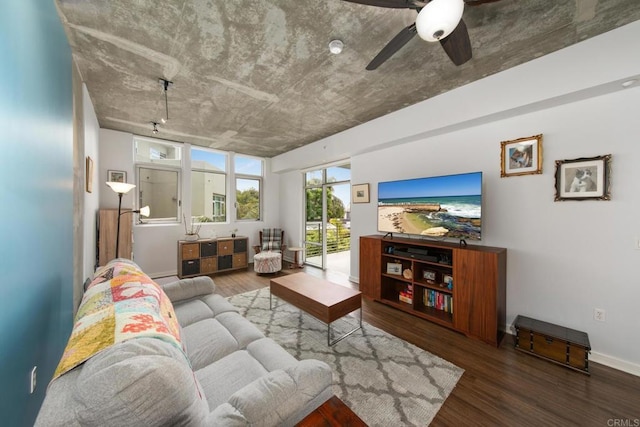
(148, 151)
(158, 178)
(248, 172)
(208, 186)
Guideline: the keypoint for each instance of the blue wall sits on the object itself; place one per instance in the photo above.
(36, 202)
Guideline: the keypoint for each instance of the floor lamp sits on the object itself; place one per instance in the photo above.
(142, 211)
(121, 188)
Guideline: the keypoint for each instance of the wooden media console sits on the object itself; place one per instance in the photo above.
(460, 287)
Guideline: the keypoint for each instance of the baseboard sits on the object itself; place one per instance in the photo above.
(615, 363)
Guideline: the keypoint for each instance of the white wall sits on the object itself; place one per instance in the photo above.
(91, 200)
(564, 258)
(291, 213)
(155, 247)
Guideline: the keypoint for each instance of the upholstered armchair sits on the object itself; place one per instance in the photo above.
(268, 257)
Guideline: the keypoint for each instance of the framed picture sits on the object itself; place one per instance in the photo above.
(447, 280)
(360, 193)
(394, 268)
(521, 156)
(586, 178)
(116, 176)
(429, 276)
(89, 175)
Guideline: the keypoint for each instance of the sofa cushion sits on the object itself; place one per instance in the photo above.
(144, 381)
(242, 329)
(185, 289)
(223, 378)
(202, 308)
(292, 394)
(271, 355)
(288, 390)
(208, 341)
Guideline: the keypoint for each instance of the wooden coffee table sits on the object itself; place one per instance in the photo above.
(320, 298)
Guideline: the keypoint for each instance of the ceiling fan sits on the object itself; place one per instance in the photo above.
(438, 20)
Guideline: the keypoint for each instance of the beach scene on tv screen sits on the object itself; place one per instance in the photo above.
(443, 206)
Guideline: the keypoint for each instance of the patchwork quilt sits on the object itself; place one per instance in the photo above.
(121, 303)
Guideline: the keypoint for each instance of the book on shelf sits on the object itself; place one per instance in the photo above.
(438, 300)
(405, 298)
(406, 295)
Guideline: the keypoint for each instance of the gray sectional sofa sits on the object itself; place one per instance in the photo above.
(241, 378)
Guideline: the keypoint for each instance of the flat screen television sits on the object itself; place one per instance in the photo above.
(447, 206)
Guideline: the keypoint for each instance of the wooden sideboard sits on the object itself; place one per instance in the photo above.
(210, 256)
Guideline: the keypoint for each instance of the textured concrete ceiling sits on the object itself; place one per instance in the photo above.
(256, 77)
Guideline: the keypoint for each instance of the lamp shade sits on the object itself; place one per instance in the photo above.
(438, 19)
(121, 187)
(146, 211)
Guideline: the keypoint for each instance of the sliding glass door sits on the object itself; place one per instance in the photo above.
(327, 218)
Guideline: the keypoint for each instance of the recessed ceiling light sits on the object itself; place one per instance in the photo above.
(335, 46)
(628, 83)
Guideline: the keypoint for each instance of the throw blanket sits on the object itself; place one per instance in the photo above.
(120, 303)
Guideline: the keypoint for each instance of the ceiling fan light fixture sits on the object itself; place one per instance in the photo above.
(336, 46)
(438, 19)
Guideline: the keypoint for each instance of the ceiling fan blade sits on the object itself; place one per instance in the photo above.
(393, 46)
(394, 4)
(457, 44)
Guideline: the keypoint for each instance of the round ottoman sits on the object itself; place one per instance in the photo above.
(267, 262)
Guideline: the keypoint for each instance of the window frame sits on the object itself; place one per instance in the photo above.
(259, 178)
(225, 173)
(160, 167)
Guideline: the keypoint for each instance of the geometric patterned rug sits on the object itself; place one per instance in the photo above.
(383, 379)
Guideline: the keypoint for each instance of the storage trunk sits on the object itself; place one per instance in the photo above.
(555, 343)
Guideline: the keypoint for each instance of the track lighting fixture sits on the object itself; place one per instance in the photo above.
(155, 127)
(165, 85)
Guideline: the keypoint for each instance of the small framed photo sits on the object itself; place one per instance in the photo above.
(394, 268)
(586, 178)
(429, 276)
(521, 156)
(360, 193)
(116, 176)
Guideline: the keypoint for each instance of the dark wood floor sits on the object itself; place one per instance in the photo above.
(500, 386)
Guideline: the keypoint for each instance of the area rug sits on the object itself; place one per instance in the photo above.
(383, 379)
